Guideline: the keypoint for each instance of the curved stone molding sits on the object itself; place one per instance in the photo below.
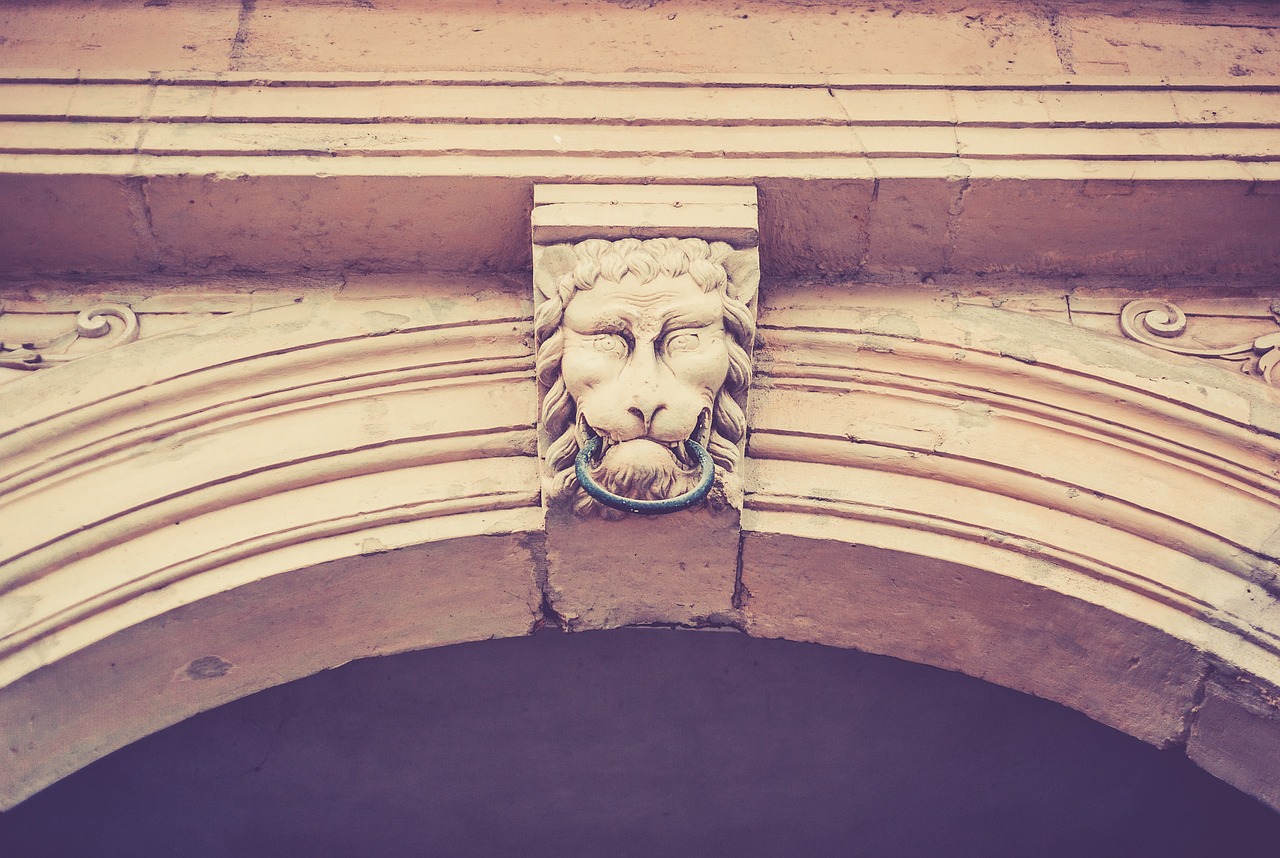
(250, 455)
(1015, 499)
(91, 323)
(218, 510)
(322, 435)
(1164, 325)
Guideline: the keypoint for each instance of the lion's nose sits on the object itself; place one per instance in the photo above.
(645, 411)
(643, 391)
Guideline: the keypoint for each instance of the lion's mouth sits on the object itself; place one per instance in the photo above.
(678, 449)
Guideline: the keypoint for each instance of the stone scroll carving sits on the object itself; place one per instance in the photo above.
(643, 365)
(1164, 325)
(92, 323)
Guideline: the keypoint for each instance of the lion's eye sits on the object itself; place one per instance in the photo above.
(610, 344)
(682, 343)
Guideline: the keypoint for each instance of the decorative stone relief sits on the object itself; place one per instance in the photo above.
(1164, 325)
(92, 323)
(644, 362)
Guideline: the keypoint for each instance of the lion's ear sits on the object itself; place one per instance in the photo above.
(743, 268)
(553, 264)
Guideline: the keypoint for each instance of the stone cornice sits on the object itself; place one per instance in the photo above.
(707, 130)
(221, 173)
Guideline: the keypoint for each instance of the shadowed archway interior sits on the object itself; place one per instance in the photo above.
(638, 742)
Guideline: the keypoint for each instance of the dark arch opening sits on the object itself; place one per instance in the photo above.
(638, 742)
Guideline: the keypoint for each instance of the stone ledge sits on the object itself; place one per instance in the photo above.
(327, 173)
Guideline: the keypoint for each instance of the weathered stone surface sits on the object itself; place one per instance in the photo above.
(82, 34)
(814, 226)
(97, 218)
(912, 225)
(1154, 229)
(378, 222)
(654, 37)
(989, 37)
(669, 569)
(1186, 39)
(959, 618)
(1236, 735)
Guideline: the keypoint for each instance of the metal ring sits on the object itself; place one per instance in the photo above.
(646, 507)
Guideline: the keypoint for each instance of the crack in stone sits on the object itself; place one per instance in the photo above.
(241, 38)
(1197, 702)
(546, 614)
(953, 223)
(1060, 31)
(741, 595)
(139, 206)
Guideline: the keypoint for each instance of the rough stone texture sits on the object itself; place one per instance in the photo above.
(380, 222)
(1207, 39)
(658, 36)
(936, 37)
(912, 223)
(1236, 736)
(207, 653)
(1115, 670)
(815, 226)
(1164, 231)
(94, 217)
(676, 568)
(87, 34)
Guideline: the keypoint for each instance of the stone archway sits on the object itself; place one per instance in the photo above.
(260, 497)
(639, 741)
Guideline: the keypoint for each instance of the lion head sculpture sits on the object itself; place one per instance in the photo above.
(643, 344)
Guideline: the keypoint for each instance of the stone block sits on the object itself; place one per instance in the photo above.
(141, 36)
(677, 568)
(1171, 227)
(571, 213)
(909, 224)
(1244, 107)
(685, 36)
(85, 223)
(380, 223)
(35, 100)
(813, 227)
(1237, 42)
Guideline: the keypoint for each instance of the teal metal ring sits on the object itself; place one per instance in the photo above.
(645, 507)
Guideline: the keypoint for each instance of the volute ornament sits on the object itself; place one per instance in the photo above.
(1163, 325)
(643, 363)
(91, 323)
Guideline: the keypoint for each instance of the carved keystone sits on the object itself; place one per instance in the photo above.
(644, 309)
